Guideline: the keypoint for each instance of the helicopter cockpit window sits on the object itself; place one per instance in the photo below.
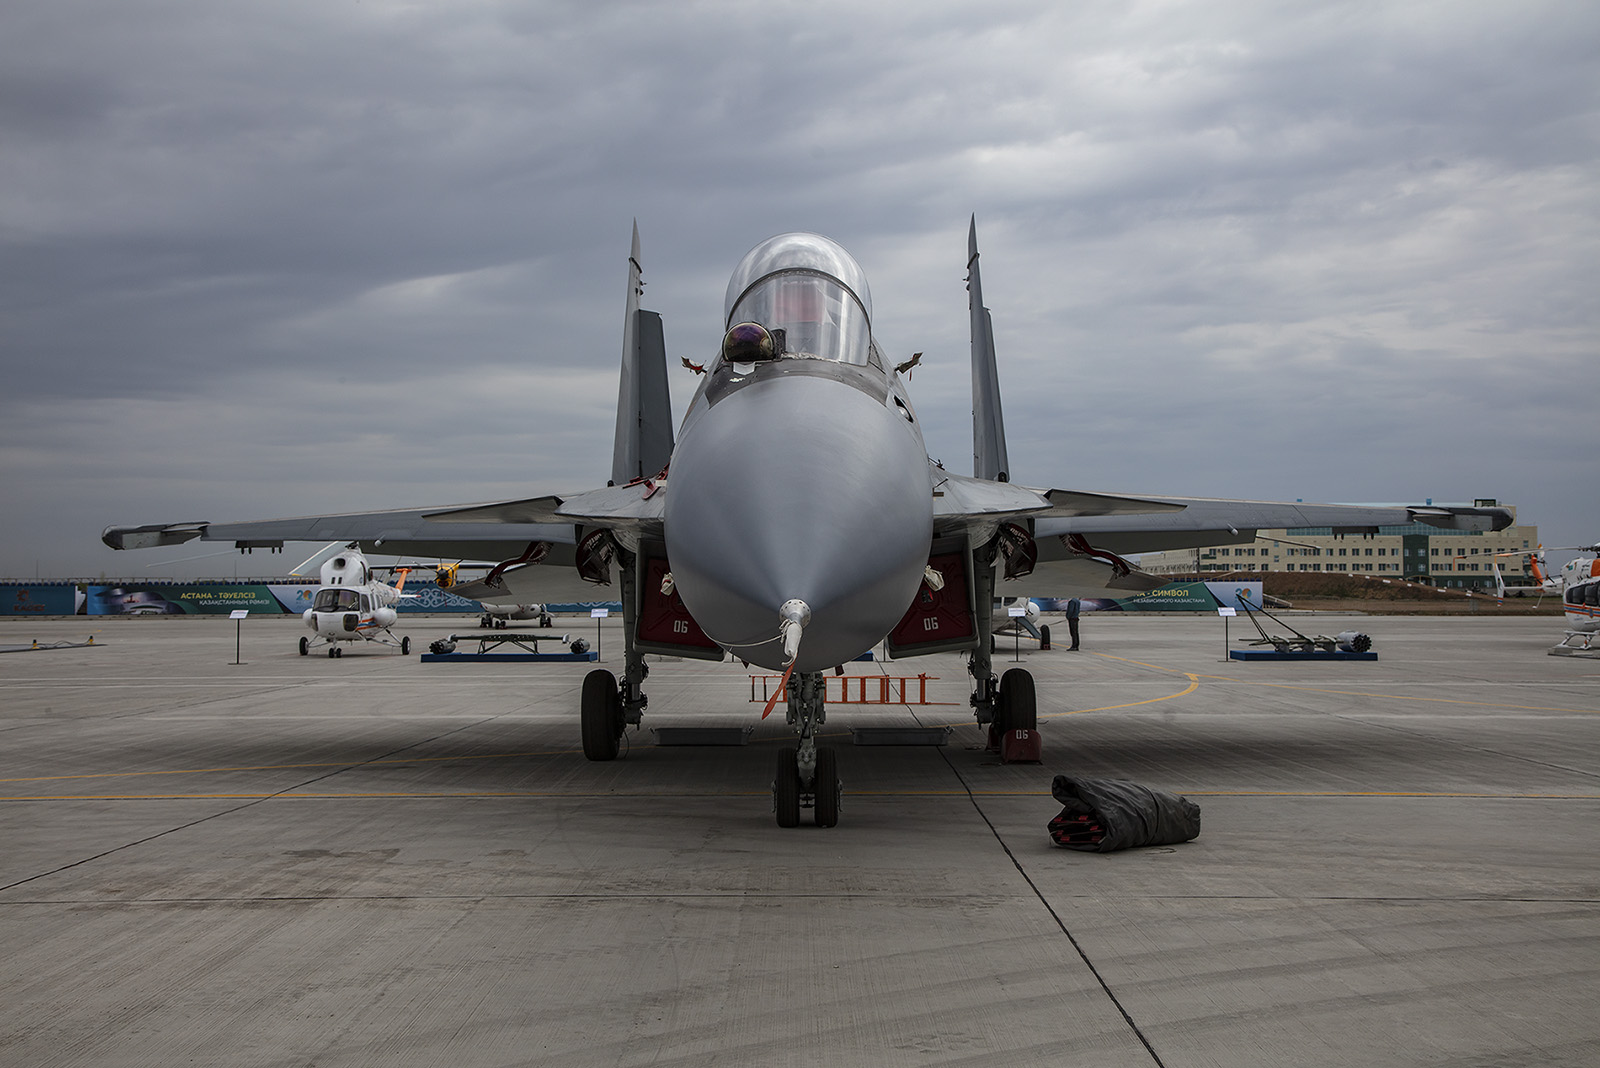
(332, 600)
(813, 314)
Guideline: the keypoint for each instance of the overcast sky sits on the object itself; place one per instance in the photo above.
(269, 259)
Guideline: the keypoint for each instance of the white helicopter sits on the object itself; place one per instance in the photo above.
(1579, 587)
(1580, 598)
(351, 605)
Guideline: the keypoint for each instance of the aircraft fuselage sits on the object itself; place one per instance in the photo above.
(800, 473)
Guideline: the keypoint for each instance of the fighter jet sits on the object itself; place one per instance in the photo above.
(796, 521)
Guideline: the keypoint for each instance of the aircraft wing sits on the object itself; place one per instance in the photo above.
(399, 533)
(959, 499)
(1194, 522)
(635, 507)
(539, 557)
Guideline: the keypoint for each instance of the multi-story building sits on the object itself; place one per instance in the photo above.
(1415, 551)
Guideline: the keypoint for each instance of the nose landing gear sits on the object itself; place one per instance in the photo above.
(808, 774)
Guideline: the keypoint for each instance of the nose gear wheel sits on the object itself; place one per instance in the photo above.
(807, 775)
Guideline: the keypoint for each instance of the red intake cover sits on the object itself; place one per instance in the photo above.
(937, 615)
(663, 619)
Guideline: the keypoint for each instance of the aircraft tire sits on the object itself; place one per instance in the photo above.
(1018, 703)
(305, 646)
(786, 788)
(827, 787)
(602, 715)
(405, 645)
(338, 651)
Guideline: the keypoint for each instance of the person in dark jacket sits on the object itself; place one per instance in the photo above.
(1072, 622)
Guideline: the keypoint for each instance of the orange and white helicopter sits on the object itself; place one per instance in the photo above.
(1548, 584)
(1580, 596)
(351, 605)
(1579, 587)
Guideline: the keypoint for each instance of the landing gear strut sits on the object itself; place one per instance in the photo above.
(807, 775)
(610, 707)
(1007, 703)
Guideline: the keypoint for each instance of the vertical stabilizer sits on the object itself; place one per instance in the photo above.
(988, 425)
(643, 442)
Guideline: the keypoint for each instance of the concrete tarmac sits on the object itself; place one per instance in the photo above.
(376, 861)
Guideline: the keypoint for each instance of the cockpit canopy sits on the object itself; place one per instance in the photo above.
(809, 295)
(336, 600)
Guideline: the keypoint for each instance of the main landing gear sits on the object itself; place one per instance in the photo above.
(608, 709)
(602, 715)
(808, 774)
(1007, 703)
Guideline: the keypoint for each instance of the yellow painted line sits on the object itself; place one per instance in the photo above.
(1141, 663)
(1195, 677)
(293, 795)
(1400, 697)
(1194, 684)
(1392, 793)
(282, 767)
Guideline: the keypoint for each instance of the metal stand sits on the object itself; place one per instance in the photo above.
(237, 615)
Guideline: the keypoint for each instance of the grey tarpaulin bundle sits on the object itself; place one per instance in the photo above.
(1104, 815)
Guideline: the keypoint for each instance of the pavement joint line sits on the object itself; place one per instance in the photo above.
(1381, 724)
(249, 802)
(776, 895)
(295, 794)
(1195, 677)
(1399, 697)
(1061, 924)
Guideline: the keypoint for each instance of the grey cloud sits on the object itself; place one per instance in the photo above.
(1231, 249)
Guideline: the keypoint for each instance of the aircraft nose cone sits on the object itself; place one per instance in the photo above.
(802, 489)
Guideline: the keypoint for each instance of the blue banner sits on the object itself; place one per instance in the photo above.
(39, 599)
